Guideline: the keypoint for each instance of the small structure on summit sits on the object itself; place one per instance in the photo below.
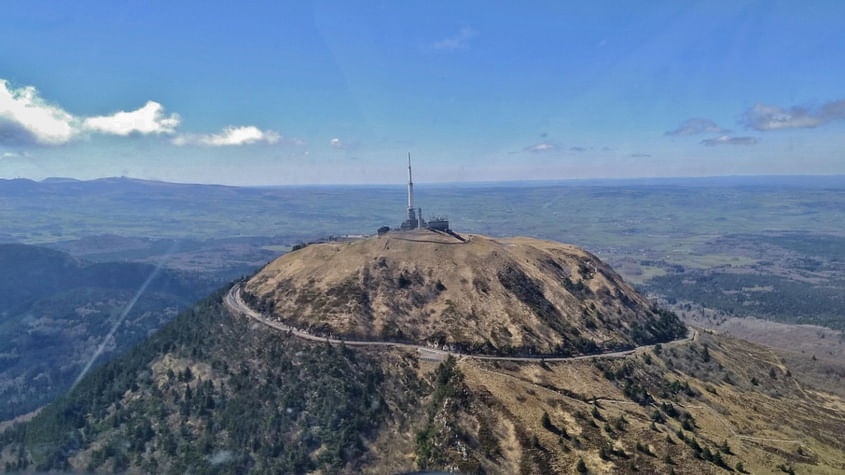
(415, 219)
(438, 223)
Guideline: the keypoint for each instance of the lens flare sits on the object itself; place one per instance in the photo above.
(123, 315)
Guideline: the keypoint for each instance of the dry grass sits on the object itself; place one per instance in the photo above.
(797, 426)
(490, 295)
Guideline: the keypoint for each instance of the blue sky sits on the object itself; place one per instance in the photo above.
(339, 92)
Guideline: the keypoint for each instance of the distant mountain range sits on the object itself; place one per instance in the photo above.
(728, 180)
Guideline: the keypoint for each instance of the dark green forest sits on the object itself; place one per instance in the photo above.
(760, 295)
(55, 310)
(252, 402)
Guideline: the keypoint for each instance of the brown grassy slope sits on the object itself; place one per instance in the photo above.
(496, 295)
(492, 420)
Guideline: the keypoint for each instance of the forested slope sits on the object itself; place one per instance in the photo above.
(55, 311)
(210, 393)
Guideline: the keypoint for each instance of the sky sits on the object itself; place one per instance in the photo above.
(274, 93)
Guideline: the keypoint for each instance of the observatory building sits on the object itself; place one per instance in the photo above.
(414, 218)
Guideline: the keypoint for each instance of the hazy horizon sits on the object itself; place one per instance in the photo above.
(797, 179)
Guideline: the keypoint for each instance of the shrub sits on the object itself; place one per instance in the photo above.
(581, 467)
(546, 421)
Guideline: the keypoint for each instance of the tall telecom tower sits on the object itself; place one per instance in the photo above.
(410, 185)
(415, 219)
(411, 211)
(412, 222)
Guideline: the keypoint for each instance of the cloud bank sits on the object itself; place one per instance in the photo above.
(27, 119)
(768, 117)
(697, 126)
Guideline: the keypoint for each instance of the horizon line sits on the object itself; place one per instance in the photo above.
(440, 183)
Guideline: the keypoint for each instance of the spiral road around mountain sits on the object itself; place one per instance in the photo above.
(235, 303)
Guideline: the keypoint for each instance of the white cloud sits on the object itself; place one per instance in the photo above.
(233, 135)
(697, 126)
(459, 40)
(149, 119)
(541, 147)
(766, 117)
(25, 118)
(728, 140)
(338, 144)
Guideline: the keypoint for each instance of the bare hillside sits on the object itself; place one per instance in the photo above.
(506, 296)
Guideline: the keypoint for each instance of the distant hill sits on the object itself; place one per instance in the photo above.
(497, 296)
(55, 310)
(35, 272)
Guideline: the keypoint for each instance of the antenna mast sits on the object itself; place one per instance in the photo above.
(410, 185)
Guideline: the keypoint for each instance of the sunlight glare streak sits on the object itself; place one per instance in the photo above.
(123, 315)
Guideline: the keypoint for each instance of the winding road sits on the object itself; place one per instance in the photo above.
(234, 302)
